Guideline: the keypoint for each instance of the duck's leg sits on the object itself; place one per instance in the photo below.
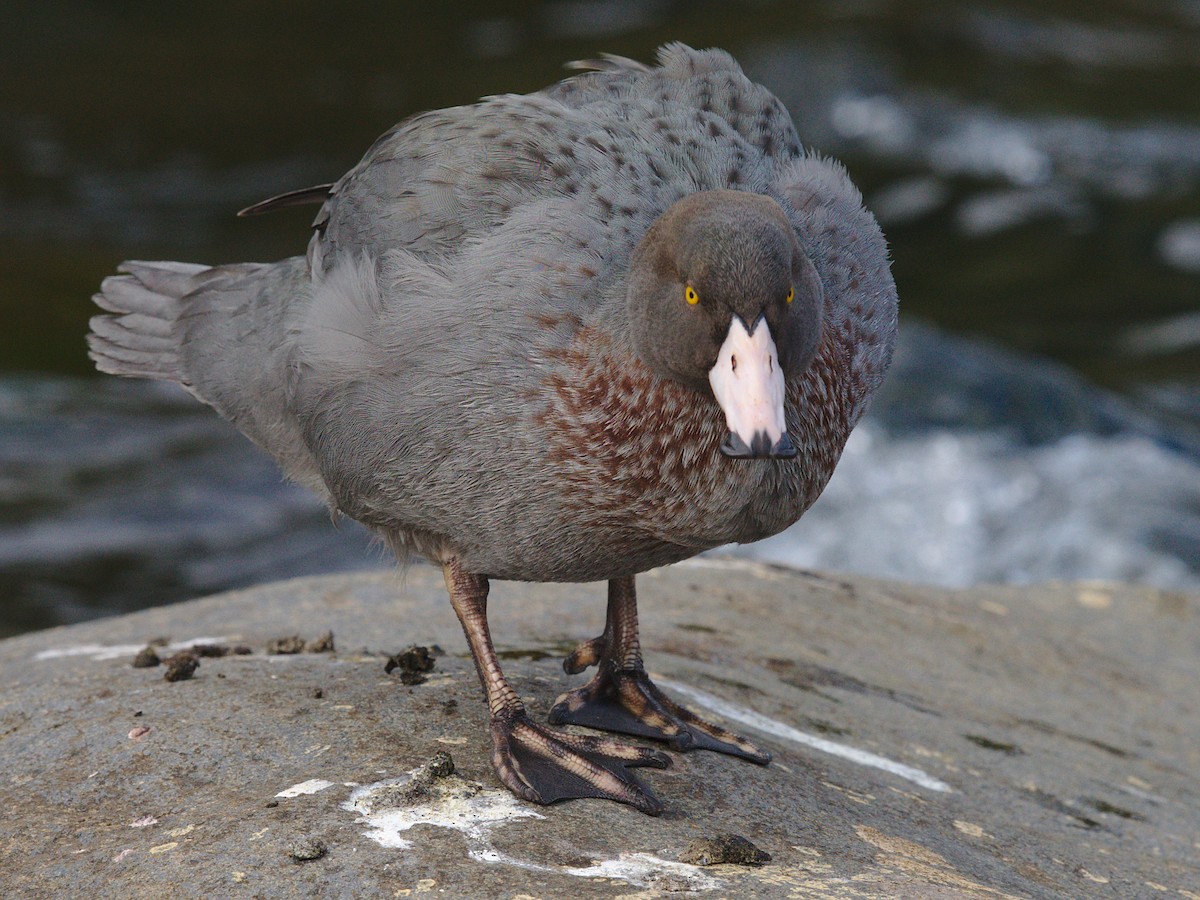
(534, 762)
(621, 697)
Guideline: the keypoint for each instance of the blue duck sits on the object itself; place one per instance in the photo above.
(565, 336)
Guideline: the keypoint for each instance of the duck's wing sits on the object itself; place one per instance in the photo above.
(441, 179)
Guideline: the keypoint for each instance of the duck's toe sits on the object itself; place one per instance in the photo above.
(587, 654)
(544, 767)
(627, 701)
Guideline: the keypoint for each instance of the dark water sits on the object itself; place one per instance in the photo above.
(1035, 165)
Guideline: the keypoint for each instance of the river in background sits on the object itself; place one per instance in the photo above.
(1036, 167)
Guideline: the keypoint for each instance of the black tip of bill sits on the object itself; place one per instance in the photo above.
(760, 447)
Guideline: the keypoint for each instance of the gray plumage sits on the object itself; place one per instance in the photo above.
(566, 336)
(452, 362)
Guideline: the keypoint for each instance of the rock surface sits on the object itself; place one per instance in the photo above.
(1036, 742)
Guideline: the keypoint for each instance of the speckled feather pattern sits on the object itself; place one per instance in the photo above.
(452, 364)
(620, 144)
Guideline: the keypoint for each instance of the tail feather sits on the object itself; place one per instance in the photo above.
(136, 338)
(161, 275)
(131, 363)
(220, 331)
(148, 327)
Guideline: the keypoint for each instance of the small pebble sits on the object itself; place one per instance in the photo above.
(181, 666)
(322, 644)
(441, 765)
(413, 663)
(147, 658)
(724, 848)
(285, 645)
(417, 790)
(213, 651)
(308, 848)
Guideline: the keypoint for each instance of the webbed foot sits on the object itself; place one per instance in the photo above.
(627, 701)
(543, 766)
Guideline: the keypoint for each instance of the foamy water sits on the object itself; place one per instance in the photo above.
(958, 509)
(981, 465)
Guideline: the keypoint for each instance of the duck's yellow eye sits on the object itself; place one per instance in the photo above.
(691, 296)
(791, 294)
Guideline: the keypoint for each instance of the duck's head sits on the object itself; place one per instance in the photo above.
(723, 299)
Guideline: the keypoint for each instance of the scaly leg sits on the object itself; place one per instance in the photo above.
(534, 762)
(621, 697)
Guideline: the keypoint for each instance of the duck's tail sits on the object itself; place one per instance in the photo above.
(138, 337)
(221, 332)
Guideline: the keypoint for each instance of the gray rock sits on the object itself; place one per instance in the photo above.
(1036, 742)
